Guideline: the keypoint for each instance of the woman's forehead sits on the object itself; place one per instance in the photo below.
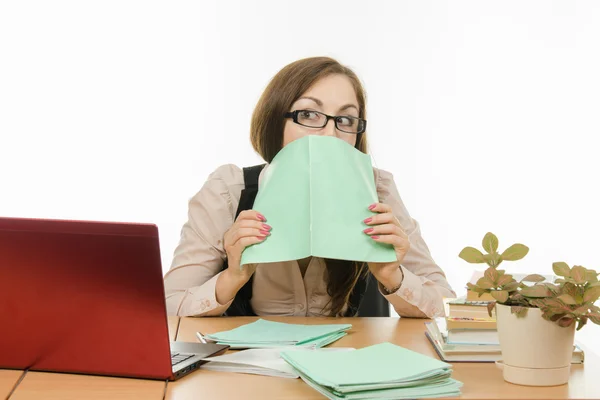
(334, 91)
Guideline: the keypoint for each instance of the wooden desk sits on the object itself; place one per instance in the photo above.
(42, 385)
(8, 380)
(481, 380)
(52, 386)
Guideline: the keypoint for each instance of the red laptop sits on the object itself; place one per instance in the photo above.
(87, 297)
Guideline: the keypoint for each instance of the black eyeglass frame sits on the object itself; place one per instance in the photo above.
(294, 116)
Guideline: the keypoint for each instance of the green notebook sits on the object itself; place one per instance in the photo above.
(326, 187)
(269, 334)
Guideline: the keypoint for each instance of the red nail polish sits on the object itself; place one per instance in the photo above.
(366, 221)
(266, 227)
(262, 218)
(374, 237)
(261, 237)
(264, 232)
(372, 206)
(368, 230)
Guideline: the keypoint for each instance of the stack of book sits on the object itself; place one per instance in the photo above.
(469, 323)
(469, 334)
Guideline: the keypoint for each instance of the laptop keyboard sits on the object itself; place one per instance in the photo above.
(176, 358)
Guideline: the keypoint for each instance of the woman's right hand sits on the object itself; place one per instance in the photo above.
(249, 228)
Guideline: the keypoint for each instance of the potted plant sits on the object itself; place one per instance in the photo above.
(536, 322)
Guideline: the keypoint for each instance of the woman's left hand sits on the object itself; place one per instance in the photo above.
(384, 227)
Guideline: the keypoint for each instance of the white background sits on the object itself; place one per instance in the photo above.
(486, 112)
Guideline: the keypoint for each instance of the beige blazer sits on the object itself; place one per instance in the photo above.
(279, 288)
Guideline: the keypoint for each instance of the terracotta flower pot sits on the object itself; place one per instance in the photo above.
(535, 352)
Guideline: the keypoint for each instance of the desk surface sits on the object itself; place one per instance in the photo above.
(42, 385)
(8, 380)
(51, 386)
(482, 380)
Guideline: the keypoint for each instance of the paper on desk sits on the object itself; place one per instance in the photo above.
(381, 371)
(257, 361)
(315, 195)
(269, 334)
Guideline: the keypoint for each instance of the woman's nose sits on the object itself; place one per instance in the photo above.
(329, 129)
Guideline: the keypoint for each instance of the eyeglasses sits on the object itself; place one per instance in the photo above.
(316, 119)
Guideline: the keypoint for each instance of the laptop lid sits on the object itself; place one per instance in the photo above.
(82, 297)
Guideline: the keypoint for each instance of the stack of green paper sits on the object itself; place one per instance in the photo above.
(268, 334)
(382, 371)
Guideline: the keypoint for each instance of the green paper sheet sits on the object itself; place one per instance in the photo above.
(264, 333)
(375, 366)
(382, 371)
(315, 195)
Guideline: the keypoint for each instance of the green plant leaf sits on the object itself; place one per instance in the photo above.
(578, 274)
(500, 295)
(591, 294)
(485, 283)
(493, 260)
(490, 307)
(505, 280)
(472, 255)
(591, 276)
(533, 278)
(567, 299)
(561, 269)
(579, 311)
(594, 317)
(566, 321)
(492, 275)
(515, 252)
(475, 288)
(553, 288)
(556, 317)
(551, 303)
(551, 315)
(539, 303)
(511, 286)
(570, 289)
(490, 242)
(581, 322)
(536, 291)
(520, 311)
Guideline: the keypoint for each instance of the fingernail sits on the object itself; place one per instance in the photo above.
(366, 221)
(372, 206)
(266, 233)
(262, 218)
(266, 227)
(368, 230)
(261, 237)
(374, 237)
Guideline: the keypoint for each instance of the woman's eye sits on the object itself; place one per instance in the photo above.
(308, 115)
(345, 121)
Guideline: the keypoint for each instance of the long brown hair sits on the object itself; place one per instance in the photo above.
(266, 135)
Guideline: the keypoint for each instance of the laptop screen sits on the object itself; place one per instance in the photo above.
(83, 297)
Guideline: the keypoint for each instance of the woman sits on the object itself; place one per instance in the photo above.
(298, 101)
